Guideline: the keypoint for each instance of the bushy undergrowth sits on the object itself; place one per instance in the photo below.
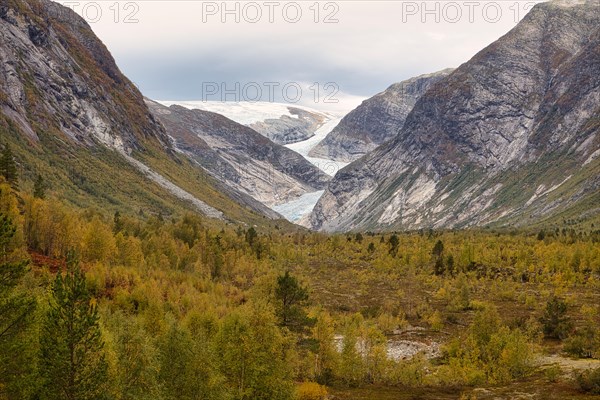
(187, 309)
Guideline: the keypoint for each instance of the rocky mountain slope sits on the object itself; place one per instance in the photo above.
(239, 156)
(70, 115)
(377, 120)
(301, 126)
(280, 122)
(510, 138)
(57, 74)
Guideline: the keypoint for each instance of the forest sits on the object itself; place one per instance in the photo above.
(96, 304)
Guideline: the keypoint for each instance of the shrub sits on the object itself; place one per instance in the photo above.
(582, 344)
(553, 373)
(555, 321)
(311, 391)
(585, 343)
(388, 323)
(436, 321)
(409, 373)
(492, 349)
(589, 381)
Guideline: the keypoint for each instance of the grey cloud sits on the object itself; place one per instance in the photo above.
(170, 52)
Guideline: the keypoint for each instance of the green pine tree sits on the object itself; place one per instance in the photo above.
(16, 312)
(7, 231)
(556, 323)
(72, 362)
(291, 299)
(394, 242)
(438, 255)
(8, 166)
(371, 248)
(14, 309)
(251, 236)
(118, 224)
(39, 188)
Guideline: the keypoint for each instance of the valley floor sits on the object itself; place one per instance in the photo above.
(536, 387)
(194, 306)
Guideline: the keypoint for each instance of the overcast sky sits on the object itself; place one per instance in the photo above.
(193, 50)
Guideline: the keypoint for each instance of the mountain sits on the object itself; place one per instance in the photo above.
(239, 156)
(70, 115)
(282, 123)
(510, 138)
(377, 120)
(57, 75)
(298, 127)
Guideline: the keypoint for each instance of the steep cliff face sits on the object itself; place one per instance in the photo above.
(509, 138)
(376, 121)
(56, 75)
(239, 156)
(72, 116)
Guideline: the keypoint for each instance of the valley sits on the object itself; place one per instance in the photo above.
(250, 114)
(441, 240)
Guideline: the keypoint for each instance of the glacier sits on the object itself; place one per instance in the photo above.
(250, 112)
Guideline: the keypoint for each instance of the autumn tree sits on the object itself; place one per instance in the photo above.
(311, 391)
(187, 370)
(351, 368)
(461, 299)
(492, 351)
(374, 352)
(251, 352)
(326, 354)
(72, 360)
(98, 241)
(136, 368)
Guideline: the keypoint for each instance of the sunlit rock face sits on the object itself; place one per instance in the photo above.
(57, 76)
(239, 156)
(508, 138)
(376, 121)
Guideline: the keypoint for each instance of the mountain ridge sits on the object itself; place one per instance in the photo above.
(69, 114)
(239, 156)
(531, 97)
(376, 120)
